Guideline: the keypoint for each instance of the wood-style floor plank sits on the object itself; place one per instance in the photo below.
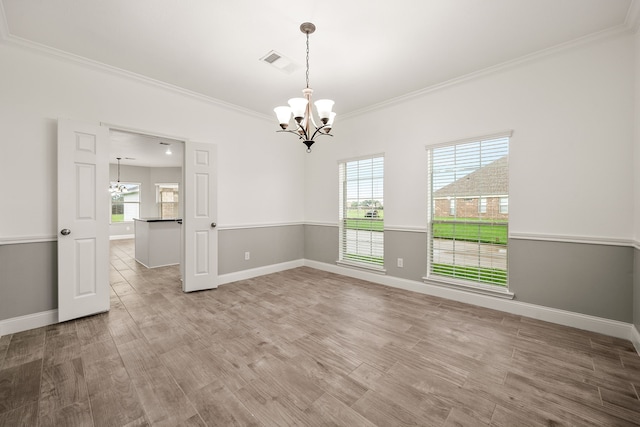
(309, 348)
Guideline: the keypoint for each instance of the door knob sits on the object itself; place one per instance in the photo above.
(213, 225)
(65, 231)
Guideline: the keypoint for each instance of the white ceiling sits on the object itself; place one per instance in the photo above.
(363, 53)
(144, 150)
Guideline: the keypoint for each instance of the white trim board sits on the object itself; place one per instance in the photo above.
(591, 240)
(122, 237)
(30, 321)
(562, 317)
(635, 338)
(18, 240)
(259, 271)
(600, 325)
(265, 225)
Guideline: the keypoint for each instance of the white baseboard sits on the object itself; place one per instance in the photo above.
(600, 325)
(259, 271)
(635, 338)
(30, 321)
(609, 327)
(122, 237)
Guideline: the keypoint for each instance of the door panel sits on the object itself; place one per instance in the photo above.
(200, 234)
(83, 220)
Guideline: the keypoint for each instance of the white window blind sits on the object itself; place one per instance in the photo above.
(469, 243)
(362, 211)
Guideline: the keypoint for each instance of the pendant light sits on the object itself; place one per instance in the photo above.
(300, 108)
(117, 187)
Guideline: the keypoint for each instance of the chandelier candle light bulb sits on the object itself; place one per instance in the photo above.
(300, 108)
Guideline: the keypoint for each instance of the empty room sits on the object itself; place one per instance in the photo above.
(356, 213)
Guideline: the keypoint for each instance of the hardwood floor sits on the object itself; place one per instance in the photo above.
(306, 347)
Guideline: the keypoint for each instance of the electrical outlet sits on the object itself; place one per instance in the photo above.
(247, 256)
(400, 263)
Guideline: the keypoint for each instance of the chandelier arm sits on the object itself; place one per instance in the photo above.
(295, 133)
(318, 130)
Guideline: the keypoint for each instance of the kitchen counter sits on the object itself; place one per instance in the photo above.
(157, 241)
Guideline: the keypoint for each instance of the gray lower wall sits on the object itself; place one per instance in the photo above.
(321, 243)
(267, 246)
(583, 278)
(597, 280)
(592, 279)
(28, 278)
(411, 246)
(636, 288)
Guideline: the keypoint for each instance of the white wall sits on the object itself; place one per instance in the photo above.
(571, 168)
(260, 174)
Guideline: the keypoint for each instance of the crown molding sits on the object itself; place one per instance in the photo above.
(631, 24)
(4, 26)
(19, 42)
(541, 54)
(632, 20)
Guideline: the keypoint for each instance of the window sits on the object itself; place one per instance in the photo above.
(362, 212)
(469, 246)
(482, 206)
(504, 205)
(125, 206)
(167, 200)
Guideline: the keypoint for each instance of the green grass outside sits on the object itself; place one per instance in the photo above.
(364, 224)
(117, 217)
(493, 276)
(490, 232)
(356, 220)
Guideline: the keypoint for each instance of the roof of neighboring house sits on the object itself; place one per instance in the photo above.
(490, 180)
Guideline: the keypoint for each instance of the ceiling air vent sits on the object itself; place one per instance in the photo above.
(279, 61)
(272, 57)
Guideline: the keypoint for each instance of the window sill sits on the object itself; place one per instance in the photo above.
(360, 266)
(490, 290)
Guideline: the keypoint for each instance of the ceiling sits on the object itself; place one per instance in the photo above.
(144, 150)
(363, 53)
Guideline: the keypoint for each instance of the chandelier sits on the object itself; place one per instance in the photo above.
(300, 108)
(117, 187)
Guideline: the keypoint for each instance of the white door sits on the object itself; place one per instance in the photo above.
(83, 219)
(200, 251)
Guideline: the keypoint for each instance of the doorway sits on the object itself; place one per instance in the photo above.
(146, 206)
(84, 208)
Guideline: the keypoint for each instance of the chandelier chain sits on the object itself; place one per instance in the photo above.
(307, 60)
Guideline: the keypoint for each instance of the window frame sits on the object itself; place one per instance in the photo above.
(430, 277)
(124, 203)
(160, 202)
(482, 205)
(503, 205)
(376, 241)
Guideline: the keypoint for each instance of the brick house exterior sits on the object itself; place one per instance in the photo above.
(483, 194)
